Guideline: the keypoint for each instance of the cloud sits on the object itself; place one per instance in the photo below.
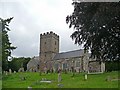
(33, 17)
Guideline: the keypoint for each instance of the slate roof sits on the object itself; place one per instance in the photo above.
(34, 61)
(70, 54)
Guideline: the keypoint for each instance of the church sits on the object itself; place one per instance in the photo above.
(50, 59)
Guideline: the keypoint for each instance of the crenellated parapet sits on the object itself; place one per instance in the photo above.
(49, 34)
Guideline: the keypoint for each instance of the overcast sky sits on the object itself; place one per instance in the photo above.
(33, 17)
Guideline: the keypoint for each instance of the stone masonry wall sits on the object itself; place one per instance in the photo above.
(49, 46)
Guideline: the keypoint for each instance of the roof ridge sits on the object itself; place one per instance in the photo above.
(72, 51)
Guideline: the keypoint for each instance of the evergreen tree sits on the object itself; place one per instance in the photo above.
(6, 45)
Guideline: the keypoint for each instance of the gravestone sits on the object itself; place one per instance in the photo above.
(59, 74)
(21, 70)
(29, 88)
(60, 85)
(14, 71)
(6, 73)
(59, 77)
(85, 76)
(10, 71)
(45, 70)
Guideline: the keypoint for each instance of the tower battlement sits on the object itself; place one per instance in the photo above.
(49, 34)
(49, 46)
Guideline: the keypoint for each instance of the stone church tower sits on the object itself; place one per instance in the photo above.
(49, 47)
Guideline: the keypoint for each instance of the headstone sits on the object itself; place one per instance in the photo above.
(59, 77)
(10, 71)
(14, 71)
(21, 70)
(60, 85)
(29, 88)
(6, 73)
(85, 76)
(45, 70)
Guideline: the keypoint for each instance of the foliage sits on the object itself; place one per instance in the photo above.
(17, 63)
(112, 66)
(33, 80)
(97, 26)
(6, 45)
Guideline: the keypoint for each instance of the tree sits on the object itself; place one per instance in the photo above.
(6, 45)
(97, 26)
(112, 66)
(17, 63)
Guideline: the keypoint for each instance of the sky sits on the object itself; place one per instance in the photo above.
(33, 17)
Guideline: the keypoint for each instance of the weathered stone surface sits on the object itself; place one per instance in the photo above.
(49, 46)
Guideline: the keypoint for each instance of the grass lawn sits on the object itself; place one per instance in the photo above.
(33, 79)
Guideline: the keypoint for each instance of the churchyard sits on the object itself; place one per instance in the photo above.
(50, 80)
